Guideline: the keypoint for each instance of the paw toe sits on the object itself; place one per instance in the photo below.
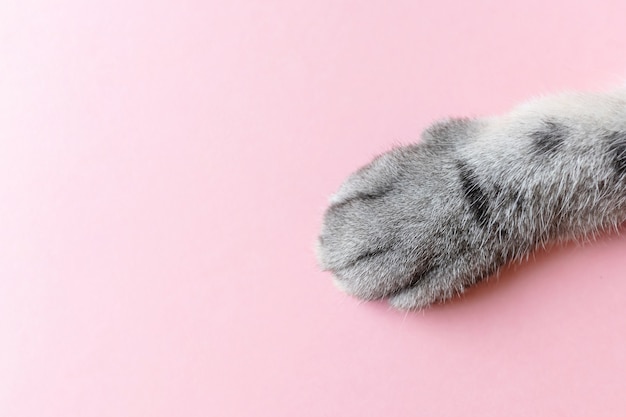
(435, 286)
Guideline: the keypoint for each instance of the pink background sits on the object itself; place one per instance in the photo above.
(164, 168)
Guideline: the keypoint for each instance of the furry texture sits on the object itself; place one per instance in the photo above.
(423, 222)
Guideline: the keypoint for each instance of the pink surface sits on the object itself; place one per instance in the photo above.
(164, 169)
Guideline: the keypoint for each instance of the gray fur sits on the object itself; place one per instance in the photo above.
(549, 137)
(423, 222)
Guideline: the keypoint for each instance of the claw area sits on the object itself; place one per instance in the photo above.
(375, 238)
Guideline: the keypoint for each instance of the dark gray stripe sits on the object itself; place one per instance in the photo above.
(474, 194)
(549, 138)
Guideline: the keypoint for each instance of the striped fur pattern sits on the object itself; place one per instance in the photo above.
(422, 223)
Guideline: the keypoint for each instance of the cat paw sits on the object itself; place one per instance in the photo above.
(402, 227)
